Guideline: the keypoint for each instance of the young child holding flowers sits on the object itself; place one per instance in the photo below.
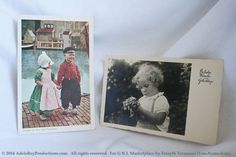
(152, 108)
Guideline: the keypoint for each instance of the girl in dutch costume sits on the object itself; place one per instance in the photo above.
(45, 97)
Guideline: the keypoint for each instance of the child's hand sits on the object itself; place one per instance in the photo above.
(39, 83)
(135, 106)
(78, 81)
(58, 87)
(130, 104)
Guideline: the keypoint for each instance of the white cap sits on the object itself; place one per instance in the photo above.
(43, 60)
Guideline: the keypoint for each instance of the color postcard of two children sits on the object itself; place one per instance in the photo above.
(55, 76)
(176, 98)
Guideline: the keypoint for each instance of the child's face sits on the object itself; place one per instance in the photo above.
(49, 65)
(147, 88)
(70, 56)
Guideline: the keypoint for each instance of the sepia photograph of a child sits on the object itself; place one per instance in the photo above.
(144, 94)
(55, 75)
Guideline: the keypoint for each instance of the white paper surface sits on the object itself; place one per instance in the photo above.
(171, 28)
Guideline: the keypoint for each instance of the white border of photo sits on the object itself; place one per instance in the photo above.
(203, 103)
(81, 127)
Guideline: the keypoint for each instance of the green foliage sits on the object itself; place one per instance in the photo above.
(176, 89)
(119, 88)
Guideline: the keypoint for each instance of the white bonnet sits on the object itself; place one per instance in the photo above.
(44, 59)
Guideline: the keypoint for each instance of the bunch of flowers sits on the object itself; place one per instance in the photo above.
(130, 105)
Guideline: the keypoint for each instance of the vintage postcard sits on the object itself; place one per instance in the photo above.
(55, 75)
(176, 98)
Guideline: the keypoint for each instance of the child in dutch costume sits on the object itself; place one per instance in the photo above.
(45, 97)
(68, 79)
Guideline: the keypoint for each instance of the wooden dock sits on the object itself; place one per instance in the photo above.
(49, 45)
(32, 120)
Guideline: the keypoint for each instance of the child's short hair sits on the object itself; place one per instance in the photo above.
(149, 73)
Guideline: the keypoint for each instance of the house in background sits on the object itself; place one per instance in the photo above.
(80, 37)
(85, 37)
(47, 33)
(45, 38)
(66, 37)
(58, 34)
(61, 26)
(29, 37)
(75, 40)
